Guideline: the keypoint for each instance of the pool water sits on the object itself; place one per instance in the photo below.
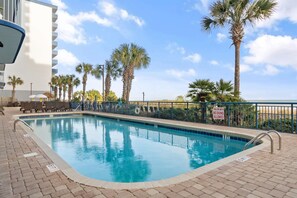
(121, 151)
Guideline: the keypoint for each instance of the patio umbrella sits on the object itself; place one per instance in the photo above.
(32, 97)
(40, 96)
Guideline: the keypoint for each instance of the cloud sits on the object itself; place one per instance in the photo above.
(66, 58)
(59, 3)
(270, 70)
(70, 26)
(112, 11)
(245, 68)
(221, 37)
(194, 58)
(201, 5)
(174, 47)
(98, 39)
(277, 51)
(214, 62)
(181, 73)
(285, 10)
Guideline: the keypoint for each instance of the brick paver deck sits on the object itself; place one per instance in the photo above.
(264, 175)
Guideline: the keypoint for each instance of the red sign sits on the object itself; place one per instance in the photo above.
(218, 113)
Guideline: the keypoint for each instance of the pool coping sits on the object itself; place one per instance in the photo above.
(77, 177)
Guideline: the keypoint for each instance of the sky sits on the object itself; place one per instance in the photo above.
(180, 51)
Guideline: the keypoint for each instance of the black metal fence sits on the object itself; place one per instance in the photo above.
(256, 115)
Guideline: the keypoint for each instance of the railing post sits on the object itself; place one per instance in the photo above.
(187, 111)
(257, 123)
(158, 109)
(292, 118)
(147, 106)
(228, 110)
(171, 110)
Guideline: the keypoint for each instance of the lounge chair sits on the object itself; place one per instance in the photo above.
(2, 110)
(38, 107)
(23, 105)
(50, 106)
(28, 107)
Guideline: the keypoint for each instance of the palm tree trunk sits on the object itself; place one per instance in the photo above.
(60, 93)
(69, 92)
(85, 78)
(237, 70)
(131, 77)
(125, 84)
(55, 92)
(13, 94)
(107, 85)
(64, 95)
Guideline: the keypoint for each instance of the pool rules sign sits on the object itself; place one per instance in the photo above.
(218, 113)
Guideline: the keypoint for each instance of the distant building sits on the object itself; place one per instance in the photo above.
(36, 58)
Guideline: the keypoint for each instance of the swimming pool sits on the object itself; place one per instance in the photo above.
(124, 151)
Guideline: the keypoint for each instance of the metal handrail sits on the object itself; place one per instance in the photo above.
(19, 120)
(279, 138)
(259, 137)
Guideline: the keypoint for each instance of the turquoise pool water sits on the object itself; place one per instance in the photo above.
(120, 151)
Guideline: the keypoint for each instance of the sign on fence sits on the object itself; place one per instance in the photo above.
(218, 113)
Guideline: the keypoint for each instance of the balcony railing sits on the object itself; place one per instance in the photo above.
(54, 62)
(10, 10)
(255, 115)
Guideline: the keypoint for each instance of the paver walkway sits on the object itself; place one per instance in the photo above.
(264, 175)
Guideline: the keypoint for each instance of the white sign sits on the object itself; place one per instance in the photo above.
(218, 113)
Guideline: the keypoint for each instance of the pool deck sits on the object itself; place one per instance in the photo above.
(264, 175)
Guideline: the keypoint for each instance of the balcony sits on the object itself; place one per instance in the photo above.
(54, 62)
(55, 35)
(54, 53)
(2, 82)
(10, 10)
(2, 67)
(55, 26)
(55, 17)
(54, 71)
(54, 44)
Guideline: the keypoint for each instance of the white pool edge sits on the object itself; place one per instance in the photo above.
(72, 174)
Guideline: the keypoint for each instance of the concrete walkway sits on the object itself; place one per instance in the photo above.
(264, 175)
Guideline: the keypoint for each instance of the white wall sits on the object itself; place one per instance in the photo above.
(34, 62)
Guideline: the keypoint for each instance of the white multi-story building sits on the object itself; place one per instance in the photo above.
(36, 58)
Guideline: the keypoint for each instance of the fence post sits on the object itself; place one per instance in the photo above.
(257, 123)
(292, 118)
(147, 105)
(187, 111)
(228, 110)
(158, 109)
(171, 110)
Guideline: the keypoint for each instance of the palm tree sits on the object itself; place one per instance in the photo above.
(71, 82)
(14, 81)
(223, 90)
(64, 86)
(85, 69)
(236, 14)
(98, 71)
(60, 85)
(54, 84)
(131, 57)
(113, 71)
(200, 89)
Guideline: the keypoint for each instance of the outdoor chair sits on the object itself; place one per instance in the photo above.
(50, 106)
(2, 110)
(23, 105)
(38, 107)
(28, 107)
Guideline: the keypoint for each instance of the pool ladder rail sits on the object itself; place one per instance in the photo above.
(22, 121)
(263, 134)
